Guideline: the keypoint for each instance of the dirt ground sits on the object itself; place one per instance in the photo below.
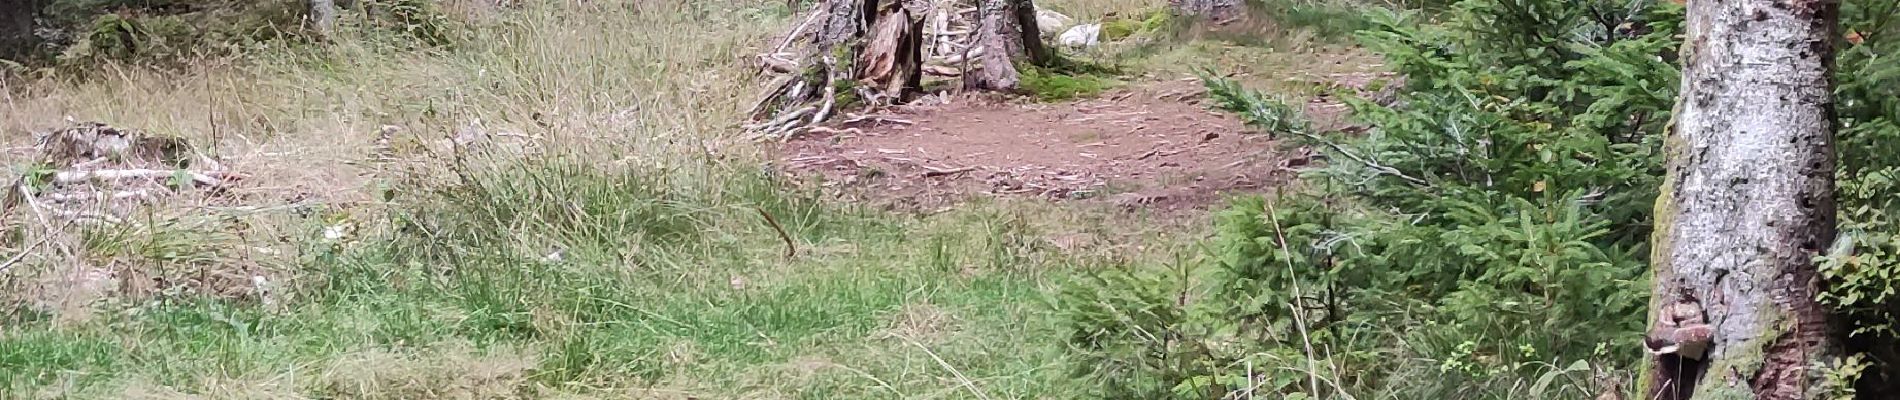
(1151, 145)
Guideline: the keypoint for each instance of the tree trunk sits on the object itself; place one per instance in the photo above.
(322, 17)
(873, 51)
(1008, 34)
(1212, 10)
(1746, 205)
(870, 49)
(17, 39)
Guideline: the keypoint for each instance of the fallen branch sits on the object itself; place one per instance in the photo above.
(930, 171)
(76, 216)
(943, 71)
(71, 177)
(25, 251)
(120, 195)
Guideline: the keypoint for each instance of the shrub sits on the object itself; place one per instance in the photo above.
(1491, 224)
(1489, 227)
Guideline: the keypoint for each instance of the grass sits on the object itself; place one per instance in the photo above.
(623, 163)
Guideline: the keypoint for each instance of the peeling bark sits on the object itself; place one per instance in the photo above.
(1748, 201)
(1213, 10)
(870, 50)
(1008, 26)
(323, 15)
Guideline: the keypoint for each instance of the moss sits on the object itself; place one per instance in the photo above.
(1047, 85)
(1119, 29)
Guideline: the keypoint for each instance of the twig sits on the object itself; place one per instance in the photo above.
(76, 216)
(934, 171)
(791, 249)
(25, 251)
(120, 195)
(69, 177)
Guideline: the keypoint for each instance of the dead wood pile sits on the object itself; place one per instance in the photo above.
(93, 173)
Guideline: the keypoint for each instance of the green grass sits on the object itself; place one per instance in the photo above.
(669, 284)
(1052, 85)
(645, 297)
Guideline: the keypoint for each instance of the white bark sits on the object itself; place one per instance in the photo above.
(1748, 200)
(1213, 10)
(323, 15)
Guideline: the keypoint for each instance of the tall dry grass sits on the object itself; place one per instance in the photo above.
(601, 242)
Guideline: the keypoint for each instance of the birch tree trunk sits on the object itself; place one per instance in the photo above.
(1212, 10)
(322, 17)
(1747, 203)
(1008, 35)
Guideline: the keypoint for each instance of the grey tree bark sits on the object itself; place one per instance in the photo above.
(1008, 35)
(1213, 10)
(323, 15)
(871, 50)
(1747, 203)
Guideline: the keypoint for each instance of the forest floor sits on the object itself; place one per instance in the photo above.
(1151, 144)
(607, 241)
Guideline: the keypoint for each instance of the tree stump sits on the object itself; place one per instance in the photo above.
(871, 53)
(1218, 11)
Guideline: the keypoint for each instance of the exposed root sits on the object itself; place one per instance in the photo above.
(831, 92)
(826, 129)
(874, 53)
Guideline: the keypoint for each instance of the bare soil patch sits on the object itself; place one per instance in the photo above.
(1148, 145)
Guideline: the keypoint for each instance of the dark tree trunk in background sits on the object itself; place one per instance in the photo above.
(1008, 34)
(17, 39)
(1746, 205)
